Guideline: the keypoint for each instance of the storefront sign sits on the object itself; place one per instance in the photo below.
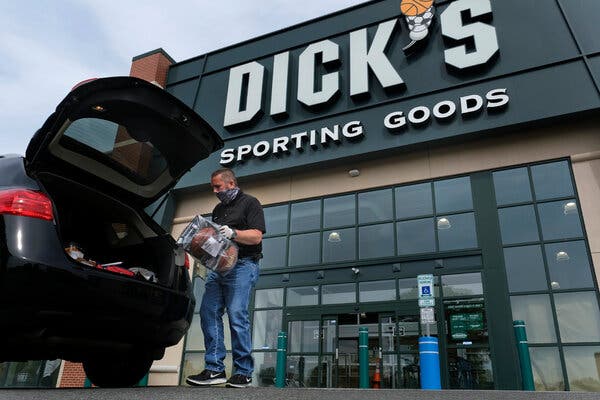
(348, 87)
(396, 122)
(319, 78)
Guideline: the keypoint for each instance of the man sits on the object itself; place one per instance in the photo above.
(242, 220)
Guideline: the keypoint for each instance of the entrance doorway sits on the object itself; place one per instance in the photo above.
(325, 352)
(323, 339)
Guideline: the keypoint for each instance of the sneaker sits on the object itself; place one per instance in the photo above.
(206, 378)
(239, 381)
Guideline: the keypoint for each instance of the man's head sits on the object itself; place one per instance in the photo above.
(223, 179)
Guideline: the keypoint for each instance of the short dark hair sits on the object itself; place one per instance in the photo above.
(226, 174)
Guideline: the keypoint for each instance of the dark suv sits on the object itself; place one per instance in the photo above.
(85, 273)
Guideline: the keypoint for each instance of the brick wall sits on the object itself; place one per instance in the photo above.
(72, 376)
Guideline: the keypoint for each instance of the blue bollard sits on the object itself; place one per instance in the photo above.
(429, 355)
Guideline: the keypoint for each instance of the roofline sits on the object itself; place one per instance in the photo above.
(155, 51)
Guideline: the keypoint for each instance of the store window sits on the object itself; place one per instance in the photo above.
(518, 225)
(525, 268)
(423, 218)
(305, 216)
(339, 245)
(512, 186)
(552, 180)
(376, 241)
(536, 311)
(549, 274)
(265, 298)
(31, 374)
(568, 265)
(304, 249)
(267, 325)
(339, 294)
(453, 195)
(456, 232)
(377, 291)
(302, 296)
(462, 285)
(582, 367)
(546, 367)
(414, 201)
(560, 220)
(339, 211)
(375, 206)
(274, 252)
(415, 236)
(578, 317)
(276, 218)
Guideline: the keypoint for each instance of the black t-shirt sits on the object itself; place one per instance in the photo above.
(244, 212)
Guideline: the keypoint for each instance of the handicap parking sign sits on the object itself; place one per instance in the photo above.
(425, 286)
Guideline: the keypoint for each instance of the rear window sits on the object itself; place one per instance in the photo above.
(115, 145)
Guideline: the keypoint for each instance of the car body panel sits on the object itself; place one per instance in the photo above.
(52, 306)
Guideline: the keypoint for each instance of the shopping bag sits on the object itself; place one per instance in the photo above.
(202, 240)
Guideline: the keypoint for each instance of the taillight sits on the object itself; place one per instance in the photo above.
(186, 263)
(27, 203)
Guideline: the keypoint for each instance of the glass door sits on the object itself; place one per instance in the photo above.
(323, 351)
(347, 356)
(400, 349)
(465, 335)
(312, 346)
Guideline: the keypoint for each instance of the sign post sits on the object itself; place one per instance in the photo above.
(428, 345)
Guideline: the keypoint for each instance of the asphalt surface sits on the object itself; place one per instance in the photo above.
(222, 393)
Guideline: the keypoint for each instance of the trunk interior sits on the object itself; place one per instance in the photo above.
(107, 232)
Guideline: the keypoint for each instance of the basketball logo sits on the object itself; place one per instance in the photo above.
(412, 8)
(419, 15)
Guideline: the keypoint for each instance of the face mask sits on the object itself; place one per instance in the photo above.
(227, 196)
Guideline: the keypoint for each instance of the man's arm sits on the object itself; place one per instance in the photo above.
(248, 236)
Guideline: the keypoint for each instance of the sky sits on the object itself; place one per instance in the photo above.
(47, 46)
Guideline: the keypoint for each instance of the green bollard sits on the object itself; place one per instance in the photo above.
(281, 359)
(363, 357)
(524, 360)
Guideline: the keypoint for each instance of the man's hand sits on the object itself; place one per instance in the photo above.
(227, 232)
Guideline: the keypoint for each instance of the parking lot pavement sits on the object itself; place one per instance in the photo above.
(222, 393)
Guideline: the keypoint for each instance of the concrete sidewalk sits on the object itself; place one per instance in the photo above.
(221, 393)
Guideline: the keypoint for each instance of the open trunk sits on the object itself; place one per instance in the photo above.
(109, 235)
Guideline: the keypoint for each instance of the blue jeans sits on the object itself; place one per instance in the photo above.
(231, 292)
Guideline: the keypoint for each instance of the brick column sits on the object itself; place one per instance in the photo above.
(152, 66)
(73, 375)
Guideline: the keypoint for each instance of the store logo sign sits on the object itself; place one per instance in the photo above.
(419, 15)
(318, 65)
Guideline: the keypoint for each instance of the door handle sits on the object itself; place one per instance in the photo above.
(337, 353)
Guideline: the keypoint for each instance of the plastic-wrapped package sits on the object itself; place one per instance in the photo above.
(202, 240)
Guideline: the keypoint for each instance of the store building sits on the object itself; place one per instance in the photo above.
(473, 155)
